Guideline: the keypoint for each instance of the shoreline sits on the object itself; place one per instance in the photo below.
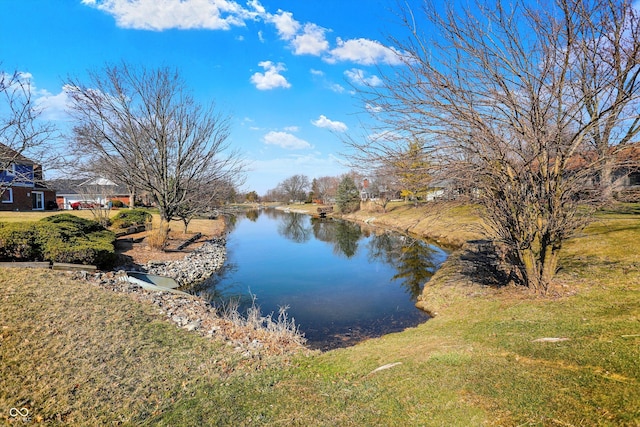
(191, 312)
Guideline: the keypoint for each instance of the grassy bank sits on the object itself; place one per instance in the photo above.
(79, 355)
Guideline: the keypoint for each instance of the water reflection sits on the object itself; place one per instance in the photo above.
(347, 236)
(252, 214)
(414, 260)
(295, 227)
(343, 282)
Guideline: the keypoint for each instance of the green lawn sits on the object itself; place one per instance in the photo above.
(74, 354)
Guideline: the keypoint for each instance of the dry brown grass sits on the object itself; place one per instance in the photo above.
(141, 251)
(74, 354)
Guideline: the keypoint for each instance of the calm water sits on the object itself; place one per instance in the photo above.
(342, 283)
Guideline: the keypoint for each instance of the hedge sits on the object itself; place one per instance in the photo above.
(59, 238)
(130, 217)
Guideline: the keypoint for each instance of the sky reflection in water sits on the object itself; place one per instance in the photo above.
(341, 282)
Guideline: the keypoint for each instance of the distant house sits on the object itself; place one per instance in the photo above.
(625, 172)
(81, 193)
(21, 183)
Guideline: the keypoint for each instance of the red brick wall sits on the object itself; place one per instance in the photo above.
(22, 202)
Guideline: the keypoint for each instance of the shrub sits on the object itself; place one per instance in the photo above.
(73, 223)
(95, 248)
(117, 203)
(158, 238)
(59, 238)
(130, 217)
(18, 242)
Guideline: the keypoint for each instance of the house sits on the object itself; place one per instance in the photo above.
(74, 193)
(625, 171)
(21, 183)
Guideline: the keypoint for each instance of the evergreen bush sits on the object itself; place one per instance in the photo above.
(130, 217)
(59, 238)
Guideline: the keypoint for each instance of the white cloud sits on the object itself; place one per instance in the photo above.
(292, 128)
(335, 87)
(50, 106)
(271, 78)
(161, 15)
(307, 39)
(255, 4)
(360, 77)
(285, 140)
(54, 107)
(285, 24)
(324, 122)
(364, 52)
(373, 108)
(312, 41)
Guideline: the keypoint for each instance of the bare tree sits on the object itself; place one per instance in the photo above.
(384, 185)
(157, 139)
(495, 89)
(295, 187)
(326, 188)
(194, 205)
(23, 133)
(607, 56)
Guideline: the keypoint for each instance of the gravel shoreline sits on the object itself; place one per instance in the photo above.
(191, 312)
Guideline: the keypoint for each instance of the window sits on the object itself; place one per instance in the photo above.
(9, 171)
(7, 195)
(634, 178)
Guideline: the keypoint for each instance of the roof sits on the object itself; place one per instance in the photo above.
(9, 154)
(84, 186)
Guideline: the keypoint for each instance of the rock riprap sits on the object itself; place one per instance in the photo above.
(196, 267)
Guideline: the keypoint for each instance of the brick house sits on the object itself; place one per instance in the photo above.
(99, 191)
(21, 183)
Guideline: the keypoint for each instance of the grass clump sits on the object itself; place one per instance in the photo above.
(280, 333)
(158, 237)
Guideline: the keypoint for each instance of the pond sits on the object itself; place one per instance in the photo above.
(341, 282)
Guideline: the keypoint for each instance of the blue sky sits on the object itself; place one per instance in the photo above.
(283, 70)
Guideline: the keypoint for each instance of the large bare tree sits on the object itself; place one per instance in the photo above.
(23, 133)
(500, 92)
(153, 135)
(295, 187)
(608, 59)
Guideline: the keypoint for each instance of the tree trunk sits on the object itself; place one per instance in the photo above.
(539, 268)
(606, 184)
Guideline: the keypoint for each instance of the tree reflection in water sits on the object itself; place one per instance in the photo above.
(293, 226)
(415, 260)
(252, 214)
(343, 282)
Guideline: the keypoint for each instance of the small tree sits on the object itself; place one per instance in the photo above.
(156, 137)
(195, 204)
(411, 167)
(347, 196)
(252, 197)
